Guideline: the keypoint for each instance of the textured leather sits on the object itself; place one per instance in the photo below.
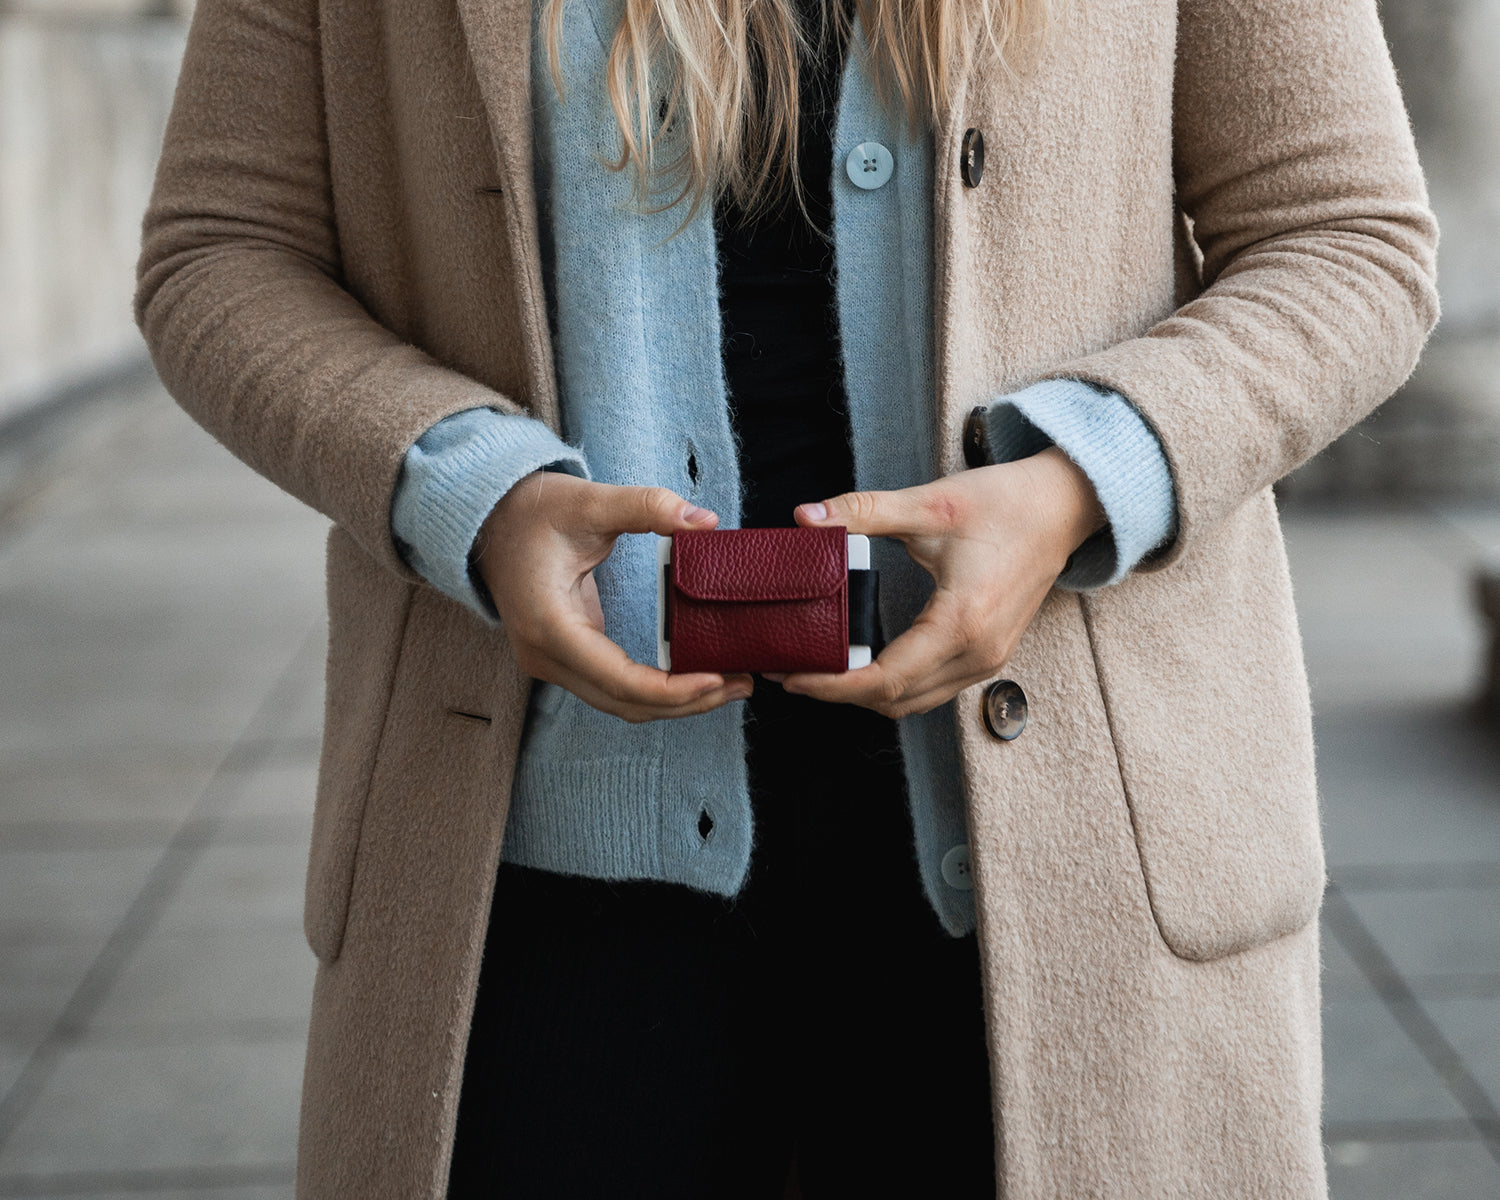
(760, 600)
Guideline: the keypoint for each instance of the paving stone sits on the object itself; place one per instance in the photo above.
(282, 787)
(1373, 1072)
(1472, 1026)
(272, 1192)
(133, 669)
(121, 1108)
(1392, 565)
(1428, 1170)
(123, 627)
(1407, 785)
(245, 983)
(175, 688)
(15, 1049)
(38, 978)
(161, 469)
(1435, 931)
(1342, 977)
(83, 798)
(1478, 521)
(263, 573)
(58, 895)
(300, 709)
(240, 887)
(290, 830)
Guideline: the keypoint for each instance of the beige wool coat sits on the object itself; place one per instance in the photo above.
(1211, 206)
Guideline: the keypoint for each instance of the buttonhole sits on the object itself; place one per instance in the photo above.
(477, 718)
(693, 469)
(705, 825)
(490, 189)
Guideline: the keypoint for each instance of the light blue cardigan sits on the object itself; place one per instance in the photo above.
(636, 323)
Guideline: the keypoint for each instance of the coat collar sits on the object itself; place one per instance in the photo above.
(498, 36)
(498, 33)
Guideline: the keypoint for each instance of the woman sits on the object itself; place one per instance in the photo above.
(1199, 249)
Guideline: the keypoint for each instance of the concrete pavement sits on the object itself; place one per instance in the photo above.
(161, 649)
(1410, 779)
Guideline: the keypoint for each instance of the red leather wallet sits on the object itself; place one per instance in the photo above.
(759, 600)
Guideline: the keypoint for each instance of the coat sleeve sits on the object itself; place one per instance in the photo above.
(240, 294)
(1295, 166)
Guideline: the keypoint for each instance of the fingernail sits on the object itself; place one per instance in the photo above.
(694, 515)
(814, 512)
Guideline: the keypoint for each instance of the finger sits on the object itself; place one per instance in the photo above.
(911, 665)
(609, 510)
(939, 690)
(609, 701)
(618, 683)
(713, 698)
(943, 652)
(906, 512)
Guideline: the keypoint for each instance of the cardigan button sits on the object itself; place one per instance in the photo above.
(971, 158)
(957, 872)
(869, 165)
(1004, 709)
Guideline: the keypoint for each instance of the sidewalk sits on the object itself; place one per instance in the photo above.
(161, 646)
(1411, 792)
(161, 651)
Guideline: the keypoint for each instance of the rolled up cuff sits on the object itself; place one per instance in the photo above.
(1113, 445)
(450, 481)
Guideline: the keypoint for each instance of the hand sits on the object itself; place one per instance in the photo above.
(994, 539)
(538, 550)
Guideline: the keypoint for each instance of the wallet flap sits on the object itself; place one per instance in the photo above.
(758, 565)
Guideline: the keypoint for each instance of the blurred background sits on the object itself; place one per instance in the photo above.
(161, 646)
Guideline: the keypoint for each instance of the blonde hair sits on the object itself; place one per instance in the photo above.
(727, 118)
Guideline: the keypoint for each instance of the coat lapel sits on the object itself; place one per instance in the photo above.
(498, 34)
(948, 250)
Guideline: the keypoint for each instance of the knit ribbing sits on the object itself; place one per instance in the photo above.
(451, 479)
(1110, 440)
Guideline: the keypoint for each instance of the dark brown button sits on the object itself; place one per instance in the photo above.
(1004, 709)
(971, 158)
(977, 438)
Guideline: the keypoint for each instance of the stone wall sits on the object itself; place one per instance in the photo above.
(85, 86)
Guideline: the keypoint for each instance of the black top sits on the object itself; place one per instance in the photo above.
(782, 364)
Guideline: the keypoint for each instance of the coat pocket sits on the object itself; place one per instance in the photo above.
(368, 609)
(1202, 676)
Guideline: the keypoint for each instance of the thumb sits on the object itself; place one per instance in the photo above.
(613, 510)
(896, 514)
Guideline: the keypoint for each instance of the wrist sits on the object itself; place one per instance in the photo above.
(485, 553)
(1071, 498)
